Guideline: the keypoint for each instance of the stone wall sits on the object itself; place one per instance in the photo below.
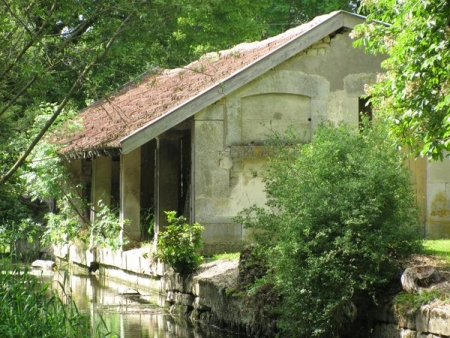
(133, 266)
(207, 296)
(429, 321)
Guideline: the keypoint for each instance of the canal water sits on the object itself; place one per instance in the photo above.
(123, 311)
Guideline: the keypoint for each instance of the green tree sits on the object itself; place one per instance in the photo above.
(284, 14)
(340, 215)
(414, 93)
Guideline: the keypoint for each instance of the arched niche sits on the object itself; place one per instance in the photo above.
(264, 114)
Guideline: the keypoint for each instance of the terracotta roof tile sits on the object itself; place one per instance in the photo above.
(109, 120)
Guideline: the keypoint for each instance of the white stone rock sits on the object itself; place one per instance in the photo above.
(46, 265)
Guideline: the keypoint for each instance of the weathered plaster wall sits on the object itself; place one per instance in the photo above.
(438, 199)
(229, 158)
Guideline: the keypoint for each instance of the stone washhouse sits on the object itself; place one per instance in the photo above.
(192, 139)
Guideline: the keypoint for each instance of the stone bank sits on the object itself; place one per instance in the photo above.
(429, 321)
(206, 296)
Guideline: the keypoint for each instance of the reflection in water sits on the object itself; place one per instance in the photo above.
(112, 307)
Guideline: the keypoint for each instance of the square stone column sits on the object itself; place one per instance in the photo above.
(130, 190)
(168, 177)
(101, 183)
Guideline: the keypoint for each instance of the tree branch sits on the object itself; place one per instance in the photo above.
(66, 99)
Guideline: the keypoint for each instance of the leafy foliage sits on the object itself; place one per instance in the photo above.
(414, 93)
(106, 228)
(285, 14)
(179, 243)
(66, 226)
(340, 215)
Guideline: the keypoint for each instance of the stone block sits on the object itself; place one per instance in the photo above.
(133, 260)
(199, 306)
(407, 320)
(81, 256)
(406, 333)
(422, 319)
(170, 296)
(173, 282)
(61, 250)
(105, 256)
(321, 45)
(439, 321)
(185, 299)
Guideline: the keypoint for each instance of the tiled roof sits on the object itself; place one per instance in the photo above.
(137, 104)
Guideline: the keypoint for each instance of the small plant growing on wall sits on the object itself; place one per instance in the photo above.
(179, 243)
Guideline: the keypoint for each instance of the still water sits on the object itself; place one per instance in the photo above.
(116, 308)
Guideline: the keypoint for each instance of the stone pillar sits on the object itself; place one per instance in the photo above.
(130, 186)
(75, 169)
(167, 177)
(101, 183)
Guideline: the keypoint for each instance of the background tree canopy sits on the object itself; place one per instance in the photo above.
(414, 93)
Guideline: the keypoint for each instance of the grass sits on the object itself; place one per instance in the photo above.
(229, 256)
(437, 247)
(410, 302)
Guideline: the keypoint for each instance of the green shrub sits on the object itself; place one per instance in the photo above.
(179, 243)
(340, 215)
(103, 232)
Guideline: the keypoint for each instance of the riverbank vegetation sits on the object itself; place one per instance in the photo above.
(29, 308)
(340, 218)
